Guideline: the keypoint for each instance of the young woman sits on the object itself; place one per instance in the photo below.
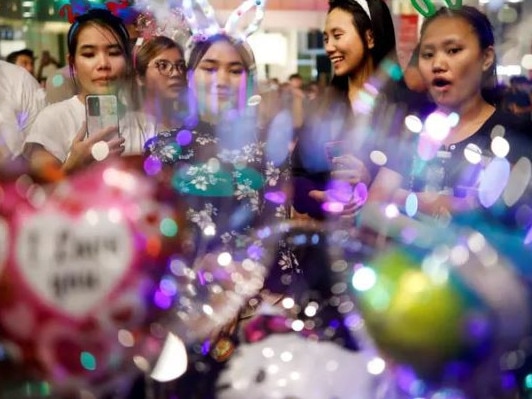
(99, 59)
(161, 77)
(457, 63)
(358, 36)
(216, 159)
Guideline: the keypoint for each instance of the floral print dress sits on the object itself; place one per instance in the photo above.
(229, 186)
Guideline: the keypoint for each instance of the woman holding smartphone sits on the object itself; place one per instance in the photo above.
(99, 59)
(358, 36)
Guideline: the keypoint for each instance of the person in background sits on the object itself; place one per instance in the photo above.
(23, 58)
(296, 81)
(21, 100)
(47, 67)
(98, 44)
(161, 77)
(518, 99)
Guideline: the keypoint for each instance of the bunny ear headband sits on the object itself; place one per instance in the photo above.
(203, 24)
(428, 9)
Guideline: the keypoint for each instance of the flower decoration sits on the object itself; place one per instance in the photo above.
(121, 9)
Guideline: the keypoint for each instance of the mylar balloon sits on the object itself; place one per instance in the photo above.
(84, 262)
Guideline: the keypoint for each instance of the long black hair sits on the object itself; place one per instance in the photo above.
(380, 24)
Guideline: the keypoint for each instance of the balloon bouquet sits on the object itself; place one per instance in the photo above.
(82, 262)
(103, 274)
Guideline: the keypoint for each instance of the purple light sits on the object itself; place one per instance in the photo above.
(353, 320)
(152, 166)
(184, 137)
(277, 197)
(161, 300)
(168, 286)
(478, 327)
(332, 207)
(493, 181)
(242, 92)
(255, 252)
(528, 238)
(427, 147)
(508, 382)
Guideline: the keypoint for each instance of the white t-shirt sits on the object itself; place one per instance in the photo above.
(58, 124)
(21, 99)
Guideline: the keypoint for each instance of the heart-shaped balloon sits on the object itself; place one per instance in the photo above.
(82, 259)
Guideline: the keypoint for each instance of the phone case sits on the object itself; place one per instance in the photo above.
(102, 112)
(335, 149)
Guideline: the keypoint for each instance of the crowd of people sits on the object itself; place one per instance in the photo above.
(282, 151)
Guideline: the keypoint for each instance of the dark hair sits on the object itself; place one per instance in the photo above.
(295, 76)
(12, 57)
(104, 19)
(515, 80)
(380, 23)
(201, 47)
(150, 49)
(484, 32)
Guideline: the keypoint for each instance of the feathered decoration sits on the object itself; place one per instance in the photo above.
(121, 9)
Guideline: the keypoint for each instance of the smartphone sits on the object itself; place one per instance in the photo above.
(102, 112)
(334, 149)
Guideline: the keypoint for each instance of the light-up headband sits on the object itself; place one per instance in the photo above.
(202, 30)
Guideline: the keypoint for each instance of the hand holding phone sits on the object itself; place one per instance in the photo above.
(335, 149)
(102, 112)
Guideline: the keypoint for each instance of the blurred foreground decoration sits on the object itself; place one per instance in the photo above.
(83, 263)
(443, 304)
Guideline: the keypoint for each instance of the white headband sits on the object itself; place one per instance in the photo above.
(365, 6)
(193, 9)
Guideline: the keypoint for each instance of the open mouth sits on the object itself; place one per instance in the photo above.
(441, 83)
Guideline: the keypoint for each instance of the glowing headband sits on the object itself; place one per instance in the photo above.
(202, 30)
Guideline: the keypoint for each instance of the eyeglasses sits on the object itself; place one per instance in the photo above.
(167, 68)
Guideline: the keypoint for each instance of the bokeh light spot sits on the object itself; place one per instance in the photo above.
(58, 80)
(376, 366)
(364, 279)
(152, 166)
(168, 227)
(378, 158)
(500, 146)
(411, 204)
(437, 126)
(414, 124)
(100, 150)
(473, 153)
(526, 61)
(88, 361)
(184, 137)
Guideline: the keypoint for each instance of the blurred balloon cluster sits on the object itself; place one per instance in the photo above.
(82, 261)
